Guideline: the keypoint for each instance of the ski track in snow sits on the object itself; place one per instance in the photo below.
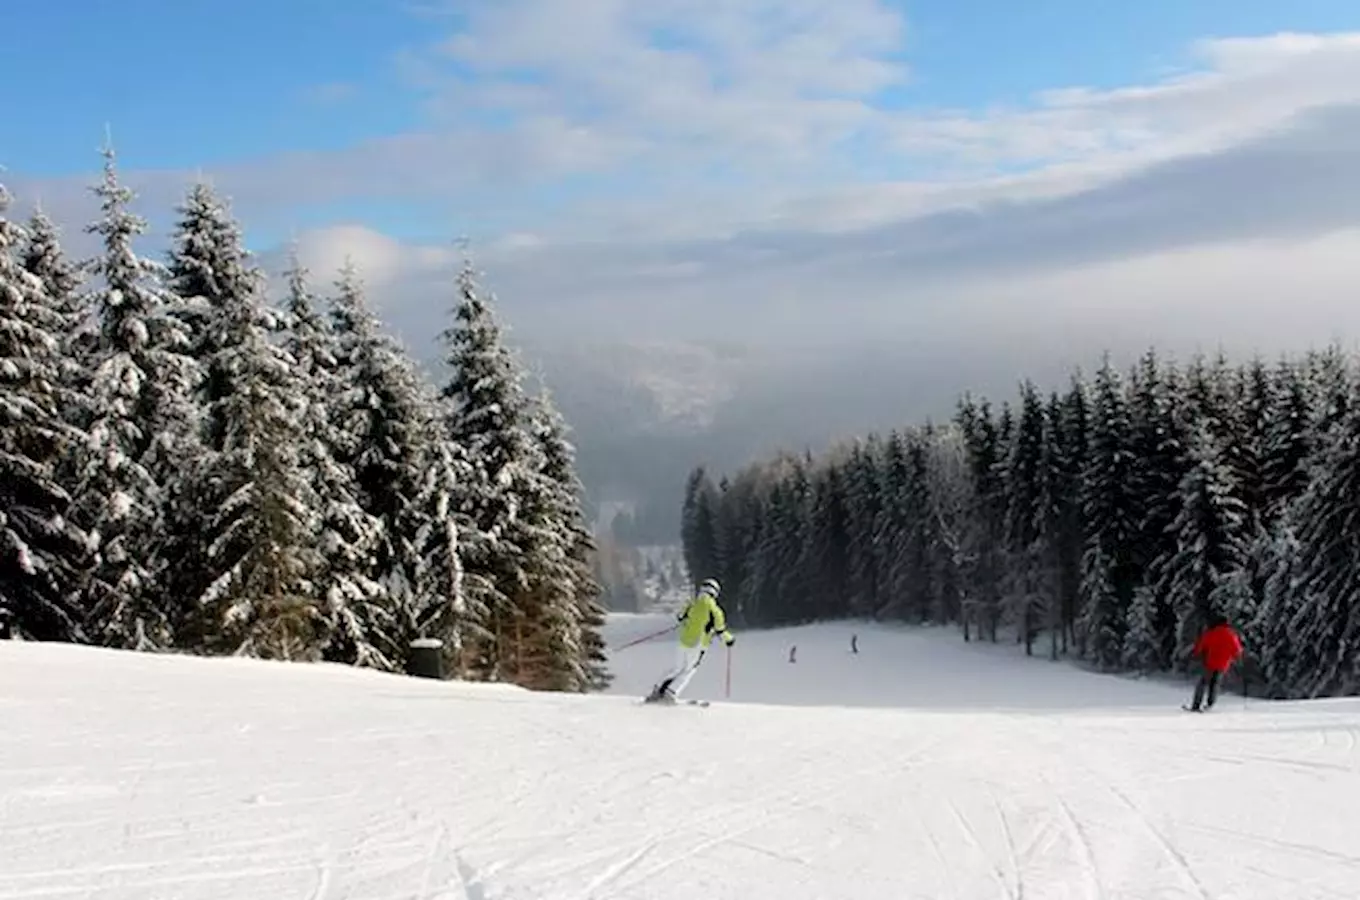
(922, 767)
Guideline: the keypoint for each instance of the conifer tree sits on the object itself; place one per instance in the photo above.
(1288, 442)
(828, 547)
(1209, 539)
(559, 469)
(41, 552)
(259, 535)
(488, 414)
(1029, 577)
(1325, 632)
(698, 527)
(348, 536)
(61, 281)
(864, 504)
(141, 416)
(382, 422)
(892, 527)
(1109, 576)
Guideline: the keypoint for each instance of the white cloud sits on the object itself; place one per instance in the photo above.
(730, 202)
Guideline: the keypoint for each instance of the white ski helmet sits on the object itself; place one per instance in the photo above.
(710, 587)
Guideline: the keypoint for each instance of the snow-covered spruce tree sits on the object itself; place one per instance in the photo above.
(1029, 575)
(892, 528)
(1288, 441)
(259, 534)
(985, 437)
(735, 522)
(953, 529)
(348, 536)
(1271, 634)
(565, 493)
(447, 604)
(1209, 539)
(211, 273)
(778, 557)
(1158, 459)
(383, 431)
(1111, 520)
(1325, 632)
(1074, 452)
(41, 550)
(864, 503)
(1254, 397)
(829, 542)
(1144, 637)
(488, 414)
(698, 528)
(1051, 519)
(77, 333)
(141, 420)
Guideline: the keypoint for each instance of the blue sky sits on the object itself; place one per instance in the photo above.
(190, 86)
(702, 135)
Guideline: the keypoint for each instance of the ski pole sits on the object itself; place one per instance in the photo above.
(645, 638)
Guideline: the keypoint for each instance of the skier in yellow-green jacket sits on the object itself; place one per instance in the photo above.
(700, 620)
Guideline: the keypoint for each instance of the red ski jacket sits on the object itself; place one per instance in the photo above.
(1219, 647)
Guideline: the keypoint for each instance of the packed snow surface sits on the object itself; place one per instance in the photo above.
(920, 767)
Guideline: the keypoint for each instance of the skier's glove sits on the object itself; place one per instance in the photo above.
(728, 638)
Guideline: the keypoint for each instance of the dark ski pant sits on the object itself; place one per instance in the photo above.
(1207, 682)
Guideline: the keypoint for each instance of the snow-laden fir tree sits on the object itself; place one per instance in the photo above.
(74, 326)
(1030, 577)
(488, 415)
(211, 272)
(985, 436)
(1270, 631)
(1051, 521)
(41, 550)
(778, 558)
(348, 536)
(567, 493)
(864, 502)
(1288, 441)
(263, 537)
(1325, 635)
(698, 529)
(1144, 637)
(1111, 523)
(61, 279)
(142, 420)
(259, 534)
(1253, 404)
(1209, 539)
(892, 529)
(828, 541)
(383, 430)
(449, 605)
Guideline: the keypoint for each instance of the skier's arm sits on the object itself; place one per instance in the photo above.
(720, 624)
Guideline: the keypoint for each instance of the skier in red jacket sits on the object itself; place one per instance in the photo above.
(1218, 648)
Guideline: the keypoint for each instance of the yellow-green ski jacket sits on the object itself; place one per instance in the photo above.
(701, 618)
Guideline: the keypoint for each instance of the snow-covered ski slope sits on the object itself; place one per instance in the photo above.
(919, 768)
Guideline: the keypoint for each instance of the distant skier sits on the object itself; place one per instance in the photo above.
(1218, 648)
(793, 654)
(854, 643)
(701, 618)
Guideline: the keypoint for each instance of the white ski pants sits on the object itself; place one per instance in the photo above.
(686, 664)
